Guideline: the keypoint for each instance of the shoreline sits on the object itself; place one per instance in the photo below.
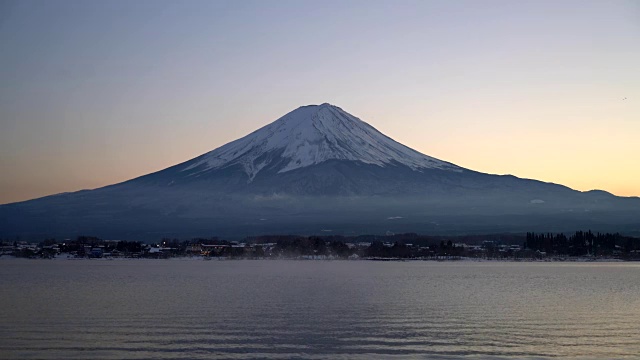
(63, 257)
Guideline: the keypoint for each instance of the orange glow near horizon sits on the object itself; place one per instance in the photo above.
(541, 90)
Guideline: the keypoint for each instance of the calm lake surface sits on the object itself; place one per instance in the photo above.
(187, 309)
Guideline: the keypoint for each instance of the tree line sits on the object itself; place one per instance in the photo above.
(582, 243)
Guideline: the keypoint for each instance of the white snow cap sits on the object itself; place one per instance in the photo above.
(311, 135)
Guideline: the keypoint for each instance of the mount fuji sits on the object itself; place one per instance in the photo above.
(317, 169)
(311, 135)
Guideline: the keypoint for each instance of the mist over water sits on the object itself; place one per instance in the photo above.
(146, 309)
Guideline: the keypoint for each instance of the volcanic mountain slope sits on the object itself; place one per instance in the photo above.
(309, 136)
(313, 150)
(317, 169)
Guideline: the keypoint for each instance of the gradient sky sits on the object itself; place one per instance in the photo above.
(97, 92)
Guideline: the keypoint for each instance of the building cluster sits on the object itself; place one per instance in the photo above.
(403, 246)
(317, 249)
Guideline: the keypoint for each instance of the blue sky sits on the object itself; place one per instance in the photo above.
(97, 92)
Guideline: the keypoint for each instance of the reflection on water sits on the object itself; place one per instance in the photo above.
(141, 309)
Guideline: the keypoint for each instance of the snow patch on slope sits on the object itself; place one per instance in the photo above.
(311, 135)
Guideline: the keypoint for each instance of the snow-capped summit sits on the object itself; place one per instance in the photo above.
(311, 135)
(316, 168)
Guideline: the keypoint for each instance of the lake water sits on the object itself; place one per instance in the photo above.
(186, 309)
